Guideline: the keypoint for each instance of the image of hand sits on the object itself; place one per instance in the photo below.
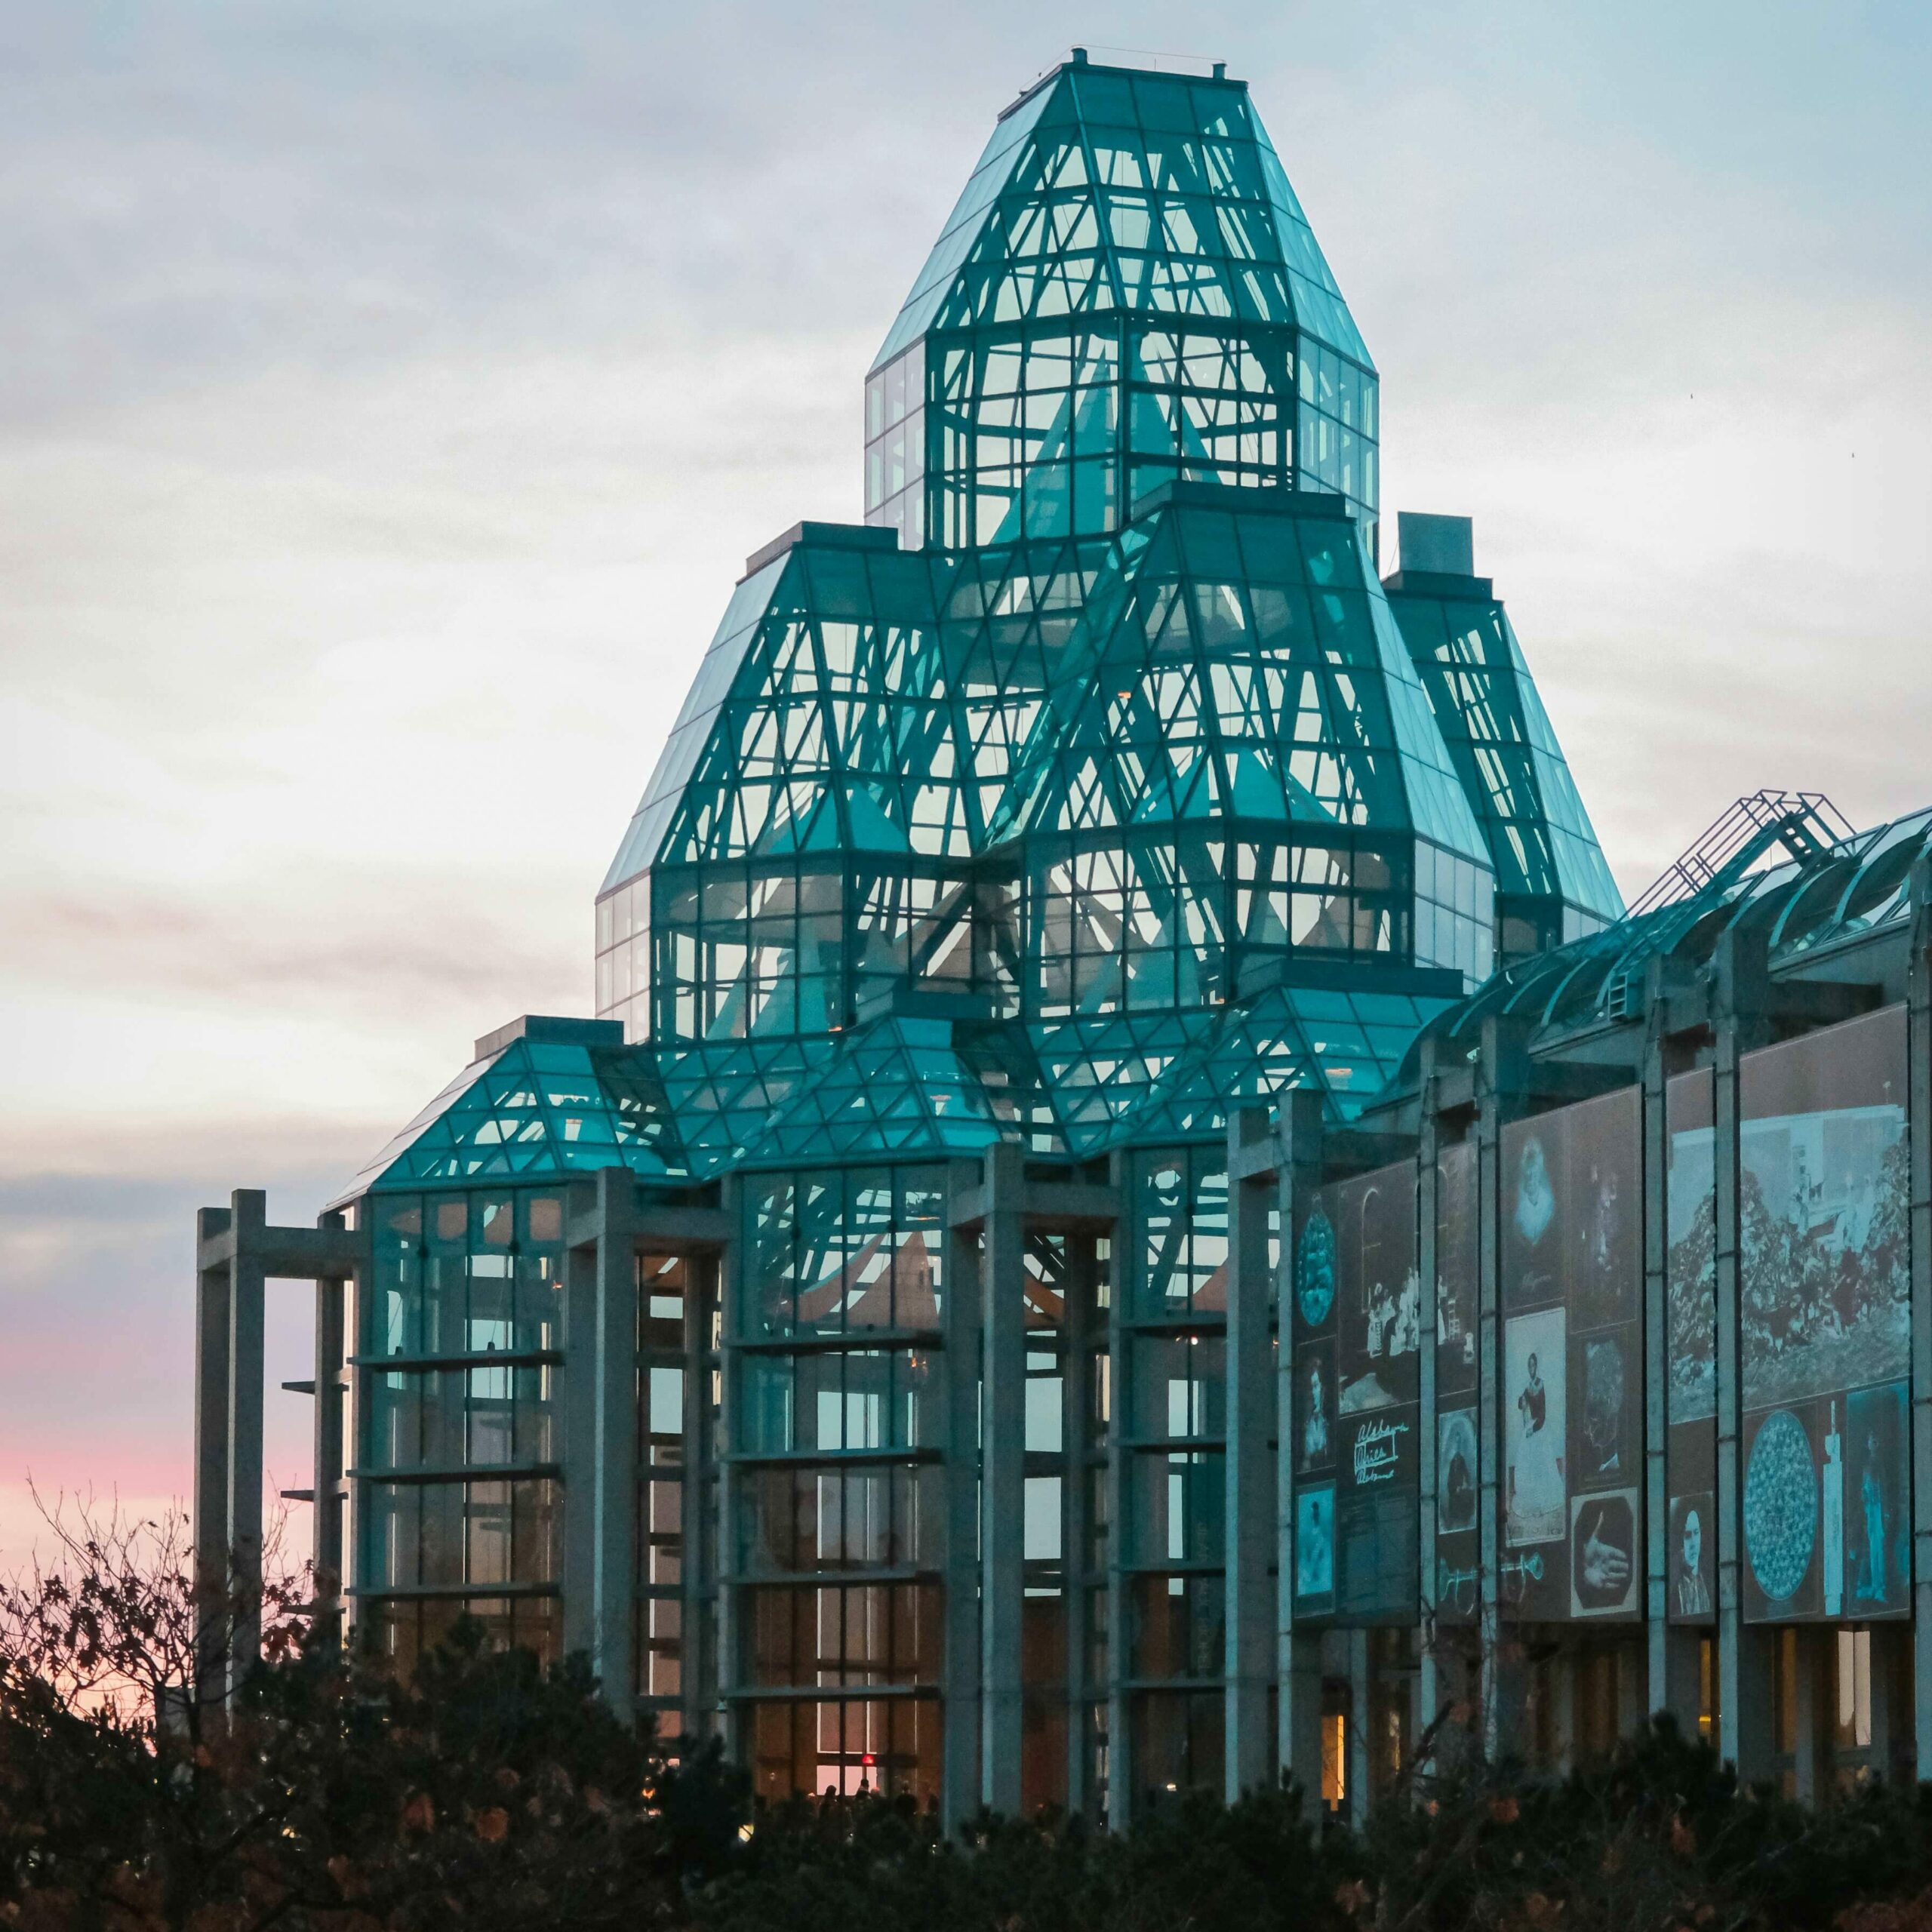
(1605, 1567)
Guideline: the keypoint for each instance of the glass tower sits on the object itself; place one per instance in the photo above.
(1095, 788)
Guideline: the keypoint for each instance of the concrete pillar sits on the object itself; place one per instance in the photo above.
(1561, 1674)
(247, 1313)
(960, 1321)
(577, 1419)
(1918, 1087)
(701, 1559)
(1253, 1189)
(1121, 1784)
(1077, 1443)
(329, 1556)
(211, 1459)
(1633, 1689)
(1427, 1680)
(1814, 1711)
(1003, 1483)
(1360, 1746)
(1739, 983)
(1502, 1067)
(614, 1571)
(1299, 1127)
(1660, 1680)
(723, 1504)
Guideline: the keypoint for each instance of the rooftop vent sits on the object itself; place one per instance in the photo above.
(1442, 546)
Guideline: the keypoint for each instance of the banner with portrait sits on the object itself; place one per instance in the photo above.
(1691, 1313)
(1572, 1395)
(1458, 1469)
(1377, 1342)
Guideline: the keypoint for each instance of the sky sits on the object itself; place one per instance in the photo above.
(390, 393)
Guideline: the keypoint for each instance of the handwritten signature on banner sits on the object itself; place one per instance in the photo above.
(1376, 1448)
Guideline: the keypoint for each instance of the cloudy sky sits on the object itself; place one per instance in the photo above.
(389, 394)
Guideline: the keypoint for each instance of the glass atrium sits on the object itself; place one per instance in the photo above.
(870, 1337)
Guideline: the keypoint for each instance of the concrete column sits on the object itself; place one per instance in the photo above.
(1560, 1675)
(736, 1291)
(1739, 986)
(613, 1575)
(329, 1558)
(960, 1322)
(1918, 1087)
(1003, 1485)
(211, 1459)
(1633, 1701)
(247, 1312)
(701, 1559)
(1426, 1682)
(1815, 1711)
(1653, 1136)
(1077, 1442)
(1360, 1747)
(1252, 1190)
(1299, 1127)
(1120, 1785)
(1502, 1068)
(578, 1418)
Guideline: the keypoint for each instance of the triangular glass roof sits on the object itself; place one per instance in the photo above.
(1106, 188)
(535, 1111)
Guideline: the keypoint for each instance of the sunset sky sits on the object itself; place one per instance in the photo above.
(389, 394)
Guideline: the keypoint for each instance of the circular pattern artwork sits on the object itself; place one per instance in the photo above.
(1780, 1505)
(1315, 1269)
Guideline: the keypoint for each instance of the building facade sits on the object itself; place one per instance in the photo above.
(1138, 1213)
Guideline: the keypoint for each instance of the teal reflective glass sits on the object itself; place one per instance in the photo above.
(1050, 805)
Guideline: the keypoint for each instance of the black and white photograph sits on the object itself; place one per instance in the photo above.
(1456, 1271)
(1532, 1230)
(1824, 1304)
(1691, 1558)
(1379, 1294)
(1534, 1482)
(1603, 1263)
(1603, 1438)
(1315, 1406)
(1314, 1547)
(1455, 1472)
(1878, 1530)
(1605, 1560)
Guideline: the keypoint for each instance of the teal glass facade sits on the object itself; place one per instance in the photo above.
(891, 1335)
(1127, 294)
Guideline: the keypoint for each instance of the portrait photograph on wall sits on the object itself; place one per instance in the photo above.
(1315, 1406)
(1535, 1492)
(1824, 1320)
(1532, 1229)
(1877, 1516)
(1455, 1472)
(1314, 1549)
(1691, 1559)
